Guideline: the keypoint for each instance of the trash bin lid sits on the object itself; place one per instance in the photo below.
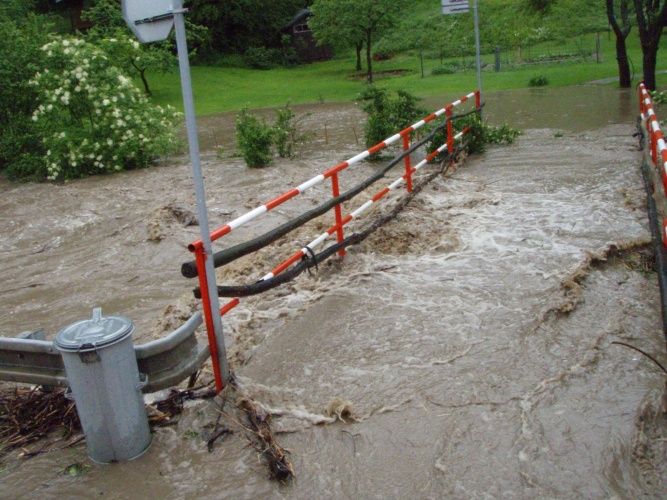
(94, 333)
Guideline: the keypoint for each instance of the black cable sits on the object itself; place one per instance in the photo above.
(189, 269)
(315, 259)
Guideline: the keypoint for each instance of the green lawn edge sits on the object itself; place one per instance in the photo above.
(220, 89)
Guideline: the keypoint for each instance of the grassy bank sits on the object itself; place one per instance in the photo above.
(219, 89)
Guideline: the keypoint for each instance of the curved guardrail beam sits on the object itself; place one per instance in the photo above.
(166, 361)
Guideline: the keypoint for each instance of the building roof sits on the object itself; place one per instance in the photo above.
(300, 18)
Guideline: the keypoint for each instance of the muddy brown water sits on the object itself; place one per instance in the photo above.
(472, 335)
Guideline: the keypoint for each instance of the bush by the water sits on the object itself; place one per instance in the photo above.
(285, 133)
(538, 81)
(480, 134)
(386, 114)
(254, 138)
(91, 118)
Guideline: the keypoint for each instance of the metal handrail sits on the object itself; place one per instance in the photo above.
(165, 361)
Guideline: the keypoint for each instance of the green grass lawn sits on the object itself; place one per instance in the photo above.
(219, 89)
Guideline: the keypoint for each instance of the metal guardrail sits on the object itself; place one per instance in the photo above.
(166, 361)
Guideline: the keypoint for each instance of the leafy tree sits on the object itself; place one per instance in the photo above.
(621, 31)
(235, 25)
(20, 57)
(331, 29)
(16, 9)
(651, 18)
(357, 19)
(112, 34)
(91, 117)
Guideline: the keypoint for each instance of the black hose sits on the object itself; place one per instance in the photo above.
(314, 260)
(189, 269)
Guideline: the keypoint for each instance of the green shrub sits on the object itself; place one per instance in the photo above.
(288, 54)
(478, 136)
(443, 70)
(538, 81)
(21, 38)
(387, 115)
(286, 135)
(261, 57)
(22, 150)
(91, 117)
(254, 138)
(658, 96)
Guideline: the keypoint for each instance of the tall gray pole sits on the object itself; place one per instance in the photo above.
(477, 48)
(202, 212)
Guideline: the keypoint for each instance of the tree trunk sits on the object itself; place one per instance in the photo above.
(369, 56)
(624, 79)
(621, 33)
(142, 75)
(147, 89)
(649, 62)
(651, 19)
(359, 46)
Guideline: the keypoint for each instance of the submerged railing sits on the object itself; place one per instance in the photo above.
(305, 257)
(650, 130)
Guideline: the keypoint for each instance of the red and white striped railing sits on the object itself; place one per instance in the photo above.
(657, 145)
(340, 222)
(332, 173)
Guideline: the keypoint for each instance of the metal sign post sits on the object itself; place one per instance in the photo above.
(463, 7)
(151, 22)
(477, 49)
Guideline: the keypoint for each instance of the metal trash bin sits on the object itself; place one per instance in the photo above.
(102, 374)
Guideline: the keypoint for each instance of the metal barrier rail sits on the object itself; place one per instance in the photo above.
(657, 145)
(658, 157)
(405, 135)
(165, 362)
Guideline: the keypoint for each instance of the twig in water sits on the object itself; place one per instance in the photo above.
(354, 441)
(642, 352)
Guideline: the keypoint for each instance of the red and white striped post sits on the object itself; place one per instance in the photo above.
(408, 162)
(335, 188)
(450, 129)
(200, 259)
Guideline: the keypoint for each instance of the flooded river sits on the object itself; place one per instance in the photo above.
(471, 337)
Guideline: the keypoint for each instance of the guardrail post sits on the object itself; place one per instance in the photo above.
(339, 214)
(408, 162)
(450, 130)
(200, 257)
(658, 136)
(478, 100)
(654, 139)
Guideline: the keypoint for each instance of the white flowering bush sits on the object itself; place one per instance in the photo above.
(92, 117)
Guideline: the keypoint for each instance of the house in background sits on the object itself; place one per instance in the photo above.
(303, 41)
(73, 9)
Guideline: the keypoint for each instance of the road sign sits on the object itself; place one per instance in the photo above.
(152, 21)
(455, 7)
(149, 21)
